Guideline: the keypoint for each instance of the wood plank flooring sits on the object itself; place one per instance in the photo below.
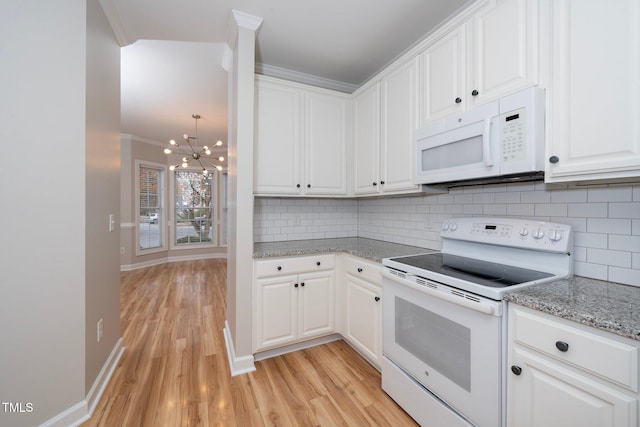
(175, 372)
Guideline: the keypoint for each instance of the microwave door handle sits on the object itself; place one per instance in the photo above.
(486, 143)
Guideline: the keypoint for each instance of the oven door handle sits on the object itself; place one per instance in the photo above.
(457, 300)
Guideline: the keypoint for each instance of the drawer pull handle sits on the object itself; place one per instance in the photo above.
(517, 370)
(279, 268)
(318, 263)
(562, 346)
(359, 270)
(295, 285)
(376, 298)
(302, 284)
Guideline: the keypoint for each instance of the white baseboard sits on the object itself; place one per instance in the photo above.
(164, 260)
(237, 365)
(82, 411)
(267, 354)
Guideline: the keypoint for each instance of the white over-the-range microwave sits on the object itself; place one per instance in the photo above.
(503, 139)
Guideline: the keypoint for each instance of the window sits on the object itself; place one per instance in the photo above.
(150, 193)
(195, 218)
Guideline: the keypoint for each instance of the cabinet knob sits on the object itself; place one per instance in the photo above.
(458, 100)
(554, 159)
(562, 346)
(375, 183)
(475, 92)
(517, 370)
(318, 263)
(295, 285)
(359, 270)
(308, 185)
(297, 185)
(302, 284)
(279, 268)
(376, 298)
(381, 182)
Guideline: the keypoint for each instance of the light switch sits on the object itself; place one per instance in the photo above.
(112, 222)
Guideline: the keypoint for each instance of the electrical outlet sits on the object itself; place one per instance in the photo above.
(112, 223)
(99, 331)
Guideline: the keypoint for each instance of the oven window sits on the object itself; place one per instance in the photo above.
(459, 153)
(445, 346)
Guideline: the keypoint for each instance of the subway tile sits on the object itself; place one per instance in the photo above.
(610, 194)
(535, 197)
(526, 209)
(624, 210)
(609, 257)
(591, 240)
(569, 196)
(577, 224)
(624, 275)
(579, 254)
(594, 271)
(590, 210)
(624, 243)
(551, 209)
(505, 197)
(606, 225)
(495, 209)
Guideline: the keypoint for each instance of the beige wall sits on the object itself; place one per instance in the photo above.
(49, 165)
(135, 149)
(102, 276)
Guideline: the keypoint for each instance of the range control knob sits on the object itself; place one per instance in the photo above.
(454, 227)
(524, 232)
(445, 226)
(538, 234)
(555, 235)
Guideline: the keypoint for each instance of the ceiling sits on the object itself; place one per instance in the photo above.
(172, 68)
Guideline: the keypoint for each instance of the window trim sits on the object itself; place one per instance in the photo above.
(172, 216)
(162, 208)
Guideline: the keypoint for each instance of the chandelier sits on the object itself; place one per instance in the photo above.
(192, 152)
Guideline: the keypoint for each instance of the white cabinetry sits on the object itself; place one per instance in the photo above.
(566, 374)
(363, 308)
(294, 300)
(493, 54)
(385, 116)
(594, 130)
(301, 137)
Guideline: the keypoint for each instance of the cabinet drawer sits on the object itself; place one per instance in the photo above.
(589, 350)
(294, 265)
(365, 270)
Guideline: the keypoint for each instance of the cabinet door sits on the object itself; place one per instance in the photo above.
(551, 394)
(276, 320)
(277, 144)
(363, 326)
(316, 302)
(367, 140)
(502, 50)
(325, 145)
(442, 75)
(595, 89)
(399, 119)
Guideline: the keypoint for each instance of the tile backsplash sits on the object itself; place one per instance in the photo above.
(605, 219)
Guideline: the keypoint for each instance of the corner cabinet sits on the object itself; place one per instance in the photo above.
(594, 130)
(385, 116)
(491, 55)
(294, 300)
(301, 140)
(561, 373)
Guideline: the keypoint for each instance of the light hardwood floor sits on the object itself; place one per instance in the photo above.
(175, 372)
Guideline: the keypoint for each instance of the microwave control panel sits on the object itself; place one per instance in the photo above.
(513, 135)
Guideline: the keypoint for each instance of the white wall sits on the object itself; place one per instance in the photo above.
(42, 194)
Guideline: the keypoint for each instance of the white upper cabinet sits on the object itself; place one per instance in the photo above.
(593, 117)
(385, 116)
(493, 54)
(301, 137)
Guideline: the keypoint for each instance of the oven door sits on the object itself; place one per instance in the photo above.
(450, 344)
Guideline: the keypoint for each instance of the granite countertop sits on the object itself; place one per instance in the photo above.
(608, 306)
(373, 250)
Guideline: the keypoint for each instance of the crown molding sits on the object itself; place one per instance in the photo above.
(237, 20)
(296, 76)
(116, 23)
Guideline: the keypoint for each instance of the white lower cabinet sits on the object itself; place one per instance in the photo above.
(565, 374)
(293, 307)
(363, 309)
